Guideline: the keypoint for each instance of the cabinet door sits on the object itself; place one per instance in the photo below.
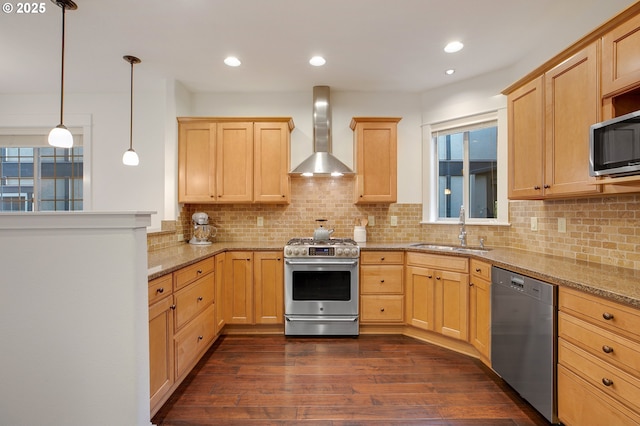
(219, 293)
(420, 297)
(452, 304)
(196, 157)
(376, 159)
(161, 352)
(525, 122)
(480, 315)
(572, 102)
(268, 275)
(234, 163)
(238, 288)
(620, 57)
(271, 182)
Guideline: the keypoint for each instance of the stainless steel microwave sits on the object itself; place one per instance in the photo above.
(614, 146)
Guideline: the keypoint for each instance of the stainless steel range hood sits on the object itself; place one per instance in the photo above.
(321, 162)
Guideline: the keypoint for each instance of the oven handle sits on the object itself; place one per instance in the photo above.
(343, 263)
(324, 319)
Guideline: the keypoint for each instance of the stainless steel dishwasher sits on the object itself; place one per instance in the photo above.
(523, 337)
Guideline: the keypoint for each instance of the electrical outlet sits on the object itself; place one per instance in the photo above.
(372, 221)
(180, 237)
(534, 223)
(260, 221)
(562, 224)
(394, 220)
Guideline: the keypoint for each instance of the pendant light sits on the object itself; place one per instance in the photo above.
(60, 136)
(130, 158)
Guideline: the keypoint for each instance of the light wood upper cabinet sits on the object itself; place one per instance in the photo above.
(196, 162)
(234, 160)
(549, 120)
(526, 140)
(375, 159)
(621, 57)
(271, 181)
(572, 104)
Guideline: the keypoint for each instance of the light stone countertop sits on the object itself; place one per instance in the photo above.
(611, 282)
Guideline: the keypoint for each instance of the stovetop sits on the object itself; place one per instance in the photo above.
(330, 248)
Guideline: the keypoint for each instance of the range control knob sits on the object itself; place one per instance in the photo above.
(339, 252)
(288, 251)
(354, 252)
(296, 251)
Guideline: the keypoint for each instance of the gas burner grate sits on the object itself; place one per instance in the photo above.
(329, 242)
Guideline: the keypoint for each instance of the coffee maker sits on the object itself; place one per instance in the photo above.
(201, 229)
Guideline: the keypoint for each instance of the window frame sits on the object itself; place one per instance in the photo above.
(41, 124)
(430, 168)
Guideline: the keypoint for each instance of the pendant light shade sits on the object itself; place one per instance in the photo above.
(130, 157)
(60, 136)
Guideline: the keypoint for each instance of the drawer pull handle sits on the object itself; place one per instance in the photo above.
(607, 382)
(199, 271)
(200, 337)
(607, 349)
(478, 269)
(607, 316)
(160, 290)
(381, 281)
(199, 298)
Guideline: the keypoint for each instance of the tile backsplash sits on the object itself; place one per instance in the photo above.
(603, 230)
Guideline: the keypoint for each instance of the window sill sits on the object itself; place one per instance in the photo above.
(467, 223)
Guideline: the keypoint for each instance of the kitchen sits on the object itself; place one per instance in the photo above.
(151, 186)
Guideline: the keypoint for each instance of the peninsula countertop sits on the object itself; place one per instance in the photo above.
(611, 282)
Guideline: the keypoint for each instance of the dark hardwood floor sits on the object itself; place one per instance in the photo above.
(369, 380)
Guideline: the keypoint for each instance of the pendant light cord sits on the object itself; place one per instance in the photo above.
(62, 67)
(131, 111)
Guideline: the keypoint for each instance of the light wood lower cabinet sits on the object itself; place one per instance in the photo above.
(480, 308)
(220, 268)
(598, 361)
(381, 287)
(182, 326)
(254, 287)
(437, 294)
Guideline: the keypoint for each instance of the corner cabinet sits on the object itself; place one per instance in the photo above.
(233, 160)
(375, 159)
(549, 119)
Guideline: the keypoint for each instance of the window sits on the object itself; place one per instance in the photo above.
(464, 171)
(39, 178)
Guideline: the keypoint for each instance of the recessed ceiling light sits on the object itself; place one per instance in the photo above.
(317, 61)
(449, 72)
(232, 61)
(454, 46)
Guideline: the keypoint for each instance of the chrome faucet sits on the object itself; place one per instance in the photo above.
(463, 232)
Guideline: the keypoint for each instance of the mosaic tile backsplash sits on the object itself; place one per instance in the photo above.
(602, 230)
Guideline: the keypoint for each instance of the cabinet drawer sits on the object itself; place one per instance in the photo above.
(381, 279)
(385, 308)
(582, 405)
(194, 339)
(480, 269)
(190, 273)
(604, 344)
(381, 257)
(194, 299)
(605, 377)
(451, 263)
(605, 313)
(160, 288)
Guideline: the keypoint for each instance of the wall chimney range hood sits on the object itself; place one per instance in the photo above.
(321, 162)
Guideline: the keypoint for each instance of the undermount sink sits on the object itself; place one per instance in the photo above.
(450, 248)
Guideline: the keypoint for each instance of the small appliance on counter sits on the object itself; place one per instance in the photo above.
(201, 229)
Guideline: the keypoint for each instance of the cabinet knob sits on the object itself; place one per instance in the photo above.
(536, 187)
(278, 259)
(382, 259)
(437, 278)
(478, 269)
(547, 186)
(199, 271)
(360, 195)
(381, 281)
(200, 337)
(429, 276)
(470, 284)
(173, 307)
(284, 196)
(199, 298)
(212, 196)
(607, 349)
(607, 382)
(381, 309)
(607, 316)
(160, 290)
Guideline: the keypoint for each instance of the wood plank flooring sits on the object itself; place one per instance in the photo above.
(369, 380)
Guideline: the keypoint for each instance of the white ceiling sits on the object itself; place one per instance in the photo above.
(370, 45)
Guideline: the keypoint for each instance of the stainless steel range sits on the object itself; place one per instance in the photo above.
(321, 287)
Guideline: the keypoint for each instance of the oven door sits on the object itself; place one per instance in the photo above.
(320, 287)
